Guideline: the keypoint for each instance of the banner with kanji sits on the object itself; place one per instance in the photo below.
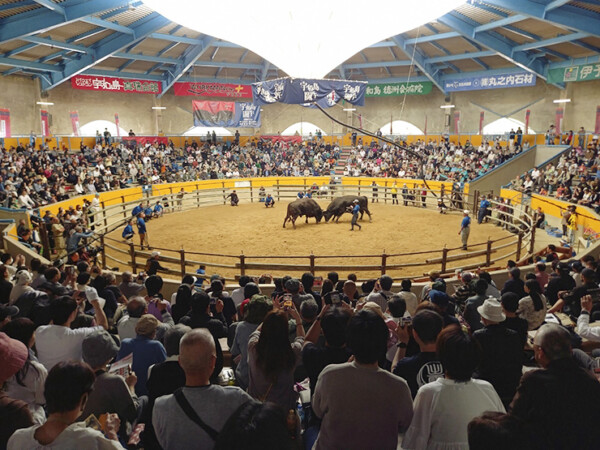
(213, 90)
(597, 127)
(457, 122)
(4, 123)
(110, 84)
(74, 115)
(500, 81)
(527, 115)
(226, 114)
(45, 123)
(583, 72)
(393, 89)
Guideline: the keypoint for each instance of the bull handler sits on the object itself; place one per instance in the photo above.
(355, 209)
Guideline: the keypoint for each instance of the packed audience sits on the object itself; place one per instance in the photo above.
(91, 362)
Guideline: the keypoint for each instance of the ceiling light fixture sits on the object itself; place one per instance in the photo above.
(282, 32)
(159, 107)
(447, 106)
(562, 100)
(349, 109)
(44, 103)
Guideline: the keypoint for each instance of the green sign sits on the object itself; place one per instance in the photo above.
(583, 72)
(390, 89)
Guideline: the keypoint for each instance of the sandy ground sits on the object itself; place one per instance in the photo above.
(254, 230)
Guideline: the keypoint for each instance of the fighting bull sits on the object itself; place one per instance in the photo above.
(340, 205)
(303, 207)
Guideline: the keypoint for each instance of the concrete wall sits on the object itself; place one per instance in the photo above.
(20, 95)
(544, 153)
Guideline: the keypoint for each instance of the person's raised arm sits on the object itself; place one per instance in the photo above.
(296, 316)
(315, 329)
(101, 319)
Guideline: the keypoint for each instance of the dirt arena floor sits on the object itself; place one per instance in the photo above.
(254, 230)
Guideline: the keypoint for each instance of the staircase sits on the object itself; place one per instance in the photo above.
(338, 170)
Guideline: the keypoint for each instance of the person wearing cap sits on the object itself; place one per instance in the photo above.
(502, 352)
(14, 414)
(153, 264)
(7, 312)
(442, 302)
(559, 402)
(256, 310)
(58, 342)
(67, 390)
(112, 393)
(355, 209)
(465, 229)
(146, 351)
(570, 302)
(433, 275)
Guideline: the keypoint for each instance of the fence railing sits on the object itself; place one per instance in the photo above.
(179, 262)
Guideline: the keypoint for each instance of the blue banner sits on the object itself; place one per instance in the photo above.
(491, 82)
(297, 91)
(226, 114)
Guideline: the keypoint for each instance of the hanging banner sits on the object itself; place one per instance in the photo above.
(92, 83)
(481, 117)
(527, 114)
(142, 141)
(360, 121)
(425, 129)
(4, 123)
(391, 122)
(391, 89)
(597, 128)
(213, 90)
(297, 91)
(583, 72)
(226, 114)
(491, 82)
(284, 139)
(45, 123)
(457, 122)
(559, 119)
(74, 122)
(117, 124)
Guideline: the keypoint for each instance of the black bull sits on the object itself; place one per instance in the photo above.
(303, 207)
(340, 205)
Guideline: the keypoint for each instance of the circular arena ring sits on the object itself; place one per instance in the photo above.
(404, 240)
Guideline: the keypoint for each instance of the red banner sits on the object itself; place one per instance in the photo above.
(213, 90)
(45, 123)
(110, 84)
(75, 122)
(597, 128)
(457, 122)
(559, 119)
(117, 124)
(481, 117)
(527, 114)
(4, 123)
(286, 139)
(143, 140)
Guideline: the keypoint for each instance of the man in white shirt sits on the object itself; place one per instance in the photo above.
(381, 293)
(238, 294)
(57, 342)
(583, 323)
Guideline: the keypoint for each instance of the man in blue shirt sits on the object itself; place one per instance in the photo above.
(128, 230)
(269, 201)
(138, 209)
(148, 211)
(355, 211)
(465, 228)
(158, 209)
(483, 209)
(141, 225)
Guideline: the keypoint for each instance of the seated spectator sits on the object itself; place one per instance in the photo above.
(146, 351)
(492, 290)
(465, 289)
(442, 301)
(498, 431)
(67, 389)
(344, 389)
(28, 383)
(409, 298)
(439, 421)
(570, 302)
(510, 304)
(382, 292)
(272, 359)
(514, 283)
(5, 285)
(560, 401)
(541, 276)
(194, 415)
(156, 303)
(112, 393)
(533, 307)
(293, 286)
(502, 352)
(14, 413)
(423, 367)
(217, 293)
(22, 286)
(238, 294)
(560, 281)
(472, 304)
(128, 287)
(57, 342)
(255, 312)
(182, 299)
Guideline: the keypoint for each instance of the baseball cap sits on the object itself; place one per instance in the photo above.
(155, 253)
(146, 325)
(13, 355)
(466, 211)
(8, 311)
(98, 348)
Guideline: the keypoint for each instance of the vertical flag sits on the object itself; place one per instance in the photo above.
(457, 122)
(559, 120)
(4, 123)
(481, 116)
(425, 130)
(45, 123)
(391, 121)
(117, 124)
(597, 128)
(75, 122)
(527, 114)
(360, 121)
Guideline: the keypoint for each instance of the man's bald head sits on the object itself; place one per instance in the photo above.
(137, 307)
(554, 340)
(197, 353)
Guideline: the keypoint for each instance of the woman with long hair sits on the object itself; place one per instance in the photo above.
(272, 359)
(533, 307)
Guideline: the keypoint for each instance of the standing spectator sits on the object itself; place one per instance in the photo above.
(344, 389)
(533, 307)
(472, 305)
(194, 415)
(510, 304)
(409, 298)
(437, 421)
(560, 401)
